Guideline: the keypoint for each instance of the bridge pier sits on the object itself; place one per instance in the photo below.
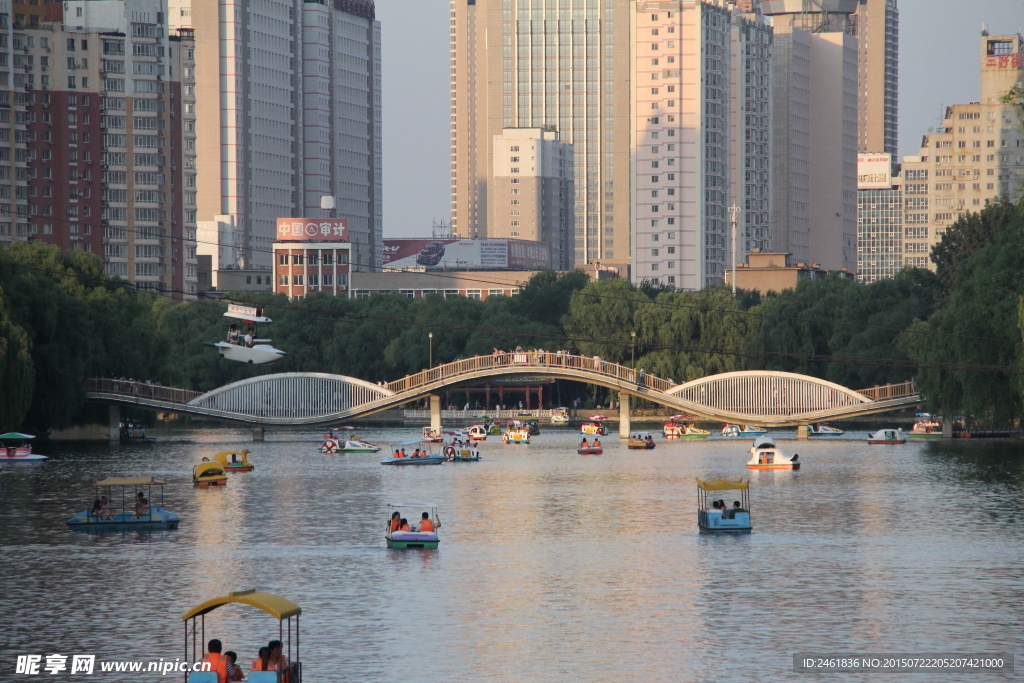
(114, 426)
(624, 427)
(801, 432)
(435, 411)
(258, 433)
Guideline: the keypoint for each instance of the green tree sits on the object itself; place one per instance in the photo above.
(601, 317)
(971, 233)
(17, 374)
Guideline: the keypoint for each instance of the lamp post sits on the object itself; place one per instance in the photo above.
(632, 351)
(430, 336)
(733, 215)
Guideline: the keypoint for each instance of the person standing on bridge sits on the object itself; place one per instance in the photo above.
(640, 379)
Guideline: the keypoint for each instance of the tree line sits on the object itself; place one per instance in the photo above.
(62, 320)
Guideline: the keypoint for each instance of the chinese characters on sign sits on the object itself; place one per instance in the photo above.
(1011, 61)
(312, 230)
(55, 664)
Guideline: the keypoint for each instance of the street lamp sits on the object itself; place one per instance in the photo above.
(734, 212)
(632, 352)
(430, 336)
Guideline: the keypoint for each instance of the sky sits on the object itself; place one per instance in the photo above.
(939, 62)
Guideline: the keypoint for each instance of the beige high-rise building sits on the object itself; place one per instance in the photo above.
(814, 172)
(531, 191)
(288, 110)
(876, 25)
(561, 66)
(701, 124)
(975, 157)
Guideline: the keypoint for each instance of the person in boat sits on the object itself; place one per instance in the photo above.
(398, 453)
(105, 512)
(736, 509)
(649, 439)
(233, 334)
(403, 524)
(139, 506)
(715, 507)
(218, 663)
(233, 670)
(262, 662)
(426, 524)
(597, 443)
(277, 659)
(249, 337)
(396, 520)
(584, 444)
(97, 506)
(416, 453)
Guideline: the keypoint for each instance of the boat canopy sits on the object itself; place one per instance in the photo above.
(274, 605)
(722, 484)
(130, 481)
(764, 441)
(247, 313)
(412, 505)
(16, 435)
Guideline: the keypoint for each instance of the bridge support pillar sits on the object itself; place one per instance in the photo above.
(947, 429)
(114, 426)
(258, 433)
(624, 415)
(435, 411)
(801, 431)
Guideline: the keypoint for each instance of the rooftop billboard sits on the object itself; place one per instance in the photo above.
(312, 229)
(451, 254)
(874, 171)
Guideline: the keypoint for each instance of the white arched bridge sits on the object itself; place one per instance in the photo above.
(771, 399)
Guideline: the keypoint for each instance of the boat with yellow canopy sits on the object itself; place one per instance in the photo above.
(208, 473)
(238, 462)
(124, 511)
(715, 520)
(285, 611)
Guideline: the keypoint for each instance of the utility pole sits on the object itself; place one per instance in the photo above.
(733, 216)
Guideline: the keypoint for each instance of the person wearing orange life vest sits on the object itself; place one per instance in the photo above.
(218, 662)
(426, 524)
(597, 443)
(403, 525)
(396, 521)
(262, 663)
(277, 659)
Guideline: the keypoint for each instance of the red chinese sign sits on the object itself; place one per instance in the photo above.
(1011, 61)
(312, 230)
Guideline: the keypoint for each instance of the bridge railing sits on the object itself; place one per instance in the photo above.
(524, 359)
(887, 391)
(141, 389)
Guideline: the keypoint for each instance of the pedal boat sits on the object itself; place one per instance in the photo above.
(425, 459)
(892, 437)
(824, 430)
(17, 447)
(560, 416)
(710, 520)
(928, 427)
(590, 450)
(401, 540)
(640, 442)
(765, 455)
(208, 473)
(238, 462)
(594, 428)
(478, 432)
(334, 445)
(517, 434)
(460, 453)
(744, 431)
(431, 435)
(124, 517)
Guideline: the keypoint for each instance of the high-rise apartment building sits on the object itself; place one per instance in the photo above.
(96, 154)
(879, 218)
(562, 66)
(814, 70)
(288, 111)
(701, 122)
(877, 27)
(531, 191)
(974, 157)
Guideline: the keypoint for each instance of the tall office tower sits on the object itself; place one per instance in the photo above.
(814, 73)
(751, 129)
(557, 64)
(288, 111)
(974, 157)
(701, 122)
(879, 218)
(531, 191)
(106, 134)
(877, 27)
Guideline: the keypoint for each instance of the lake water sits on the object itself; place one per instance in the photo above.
(552, 566)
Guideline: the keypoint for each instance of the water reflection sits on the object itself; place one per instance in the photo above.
(552, 566)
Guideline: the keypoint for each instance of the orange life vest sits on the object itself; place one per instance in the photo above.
(426, 525)
(218, 664)
(395, 524)
(404, 527)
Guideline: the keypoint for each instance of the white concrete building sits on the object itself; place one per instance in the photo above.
(288, 110)
(701, 116)
(531, 191)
